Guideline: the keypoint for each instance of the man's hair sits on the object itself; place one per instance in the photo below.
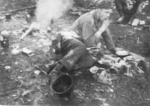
(97, 12)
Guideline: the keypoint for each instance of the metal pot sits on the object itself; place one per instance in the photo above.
(5, 43)
(122, 54)
(63, 86)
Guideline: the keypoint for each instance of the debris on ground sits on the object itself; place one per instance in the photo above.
(135, 22)
(7, 67)
(5, 33)
(33, 26)
(15, 51)
(37, 72)
(27, 51)
(128, 65)
(24, 81)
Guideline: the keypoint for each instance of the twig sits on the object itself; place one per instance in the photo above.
(118, 80)
(128, 99)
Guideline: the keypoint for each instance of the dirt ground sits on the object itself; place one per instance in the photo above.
(20, 85)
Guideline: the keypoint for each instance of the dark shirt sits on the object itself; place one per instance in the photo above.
(67, 41)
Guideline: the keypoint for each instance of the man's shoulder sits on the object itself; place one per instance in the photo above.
(70, 35)
(86, 16)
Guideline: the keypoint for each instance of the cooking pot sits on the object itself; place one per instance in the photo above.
(122, 54)
(63, 86)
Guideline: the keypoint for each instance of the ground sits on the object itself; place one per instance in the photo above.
(21, 85)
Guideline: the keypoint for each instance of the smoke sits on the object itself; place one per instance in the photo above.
(48, 10)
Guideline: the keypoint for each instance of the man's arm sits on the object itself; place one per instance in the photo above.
(103, 28)
(107, 37)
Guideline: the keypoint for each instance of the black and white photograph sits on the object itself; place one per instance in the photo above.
(74, 53)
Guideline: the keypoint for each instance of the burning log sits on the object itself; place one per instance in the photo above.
(33, 26)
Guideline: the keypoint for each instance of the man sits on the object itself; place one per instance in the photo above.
(92, 26)
(126, 9)
(74, 53)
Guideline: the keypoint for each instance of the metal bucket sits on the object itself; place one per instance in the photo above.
(63, 86)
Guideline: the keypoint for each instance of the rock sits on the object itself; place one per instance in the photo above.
(37, 72)
(19, 77)
(7, 67)
(49, 29)
(15, 33)
(142, 22)
(14, 95)
(6, 33)
(2, 18)
(104, 78)
(105, 104)
(15, 51)
(94, 69)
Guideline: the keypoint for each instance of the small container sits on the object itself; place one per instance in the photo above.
(5, 43)
(63, 86)
(8, 17)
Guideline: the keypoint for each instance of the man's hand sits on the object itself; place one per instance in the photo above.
(97, 35)
(102, 29)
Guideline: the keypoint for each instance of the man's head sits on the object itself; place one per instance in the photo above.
(56, 40)
(102, 13)
(54, 47)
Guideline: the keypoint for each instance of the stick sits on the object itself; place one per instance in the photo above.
(26, 33)
(32, 26)
(128, 99)
(11, 11)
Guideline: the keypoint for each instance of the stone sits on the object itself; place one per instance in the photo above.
(5, 33)
(142, 22)
(15, 51)
(7, 67)
(94, 69)
(37, 72)
(103, 78)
